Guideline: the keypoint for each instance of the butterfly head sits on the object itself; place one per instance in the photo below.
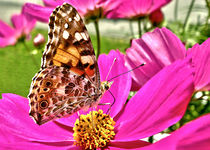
(105, 85)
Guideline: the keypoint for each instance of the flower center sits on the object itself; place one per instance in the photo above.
(93, 130)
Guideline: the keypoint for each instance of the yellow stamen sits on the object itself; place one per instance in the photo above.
(93, 134)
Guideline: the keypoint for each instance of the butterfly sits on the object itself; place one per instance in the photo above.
(69, 78)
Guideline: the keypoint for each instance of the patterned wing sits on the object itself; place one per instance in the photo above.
(69, 44)
(58, 92)
(69, 77)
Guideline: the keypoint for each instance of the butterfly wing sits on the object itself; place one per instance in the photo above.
(69, 44)
(69, 78)
(58, 92)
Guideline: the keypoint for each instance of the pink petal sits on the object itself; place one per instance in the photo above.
(18, 21)
(133, 8)
(83, 6)
(160, 103)
(121, 85)
(158, 4)
(7, 41)
(136, 8)
(22, 24)
(38, 12)
(7, 35)
(108, 5)
(16, 125)
(135, 86)
(53, 3)
(6, 30)
(157, 49)
(192, 136)
(117, 144)
(30, 22)
(201, 62)
(35, 146)
(70, 120)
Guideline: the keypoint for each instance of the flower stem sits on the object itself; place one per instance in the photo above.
(145, 25)
(176, 10)
(208, 7)
(98, 38)
(151, 139)
(188, 15)
(139, 27)
(32, 56)
(131, 28)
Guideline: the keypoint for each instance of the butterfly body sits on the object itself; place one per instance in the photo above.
(69, 78)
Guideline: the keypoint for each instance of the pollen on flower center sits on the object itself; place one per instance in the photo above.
(93, 130)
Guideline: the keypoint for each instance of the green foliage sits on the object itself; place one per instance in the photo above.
(194, 33)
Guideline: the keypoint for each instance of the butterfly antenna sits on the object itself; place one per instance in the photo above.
(110, 68)
(127, 71)
(112, 103)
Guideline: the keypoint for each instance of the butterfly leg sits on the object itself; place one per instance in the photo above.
(93, 125)
(78, 114)
(108, 111)
(110, 104)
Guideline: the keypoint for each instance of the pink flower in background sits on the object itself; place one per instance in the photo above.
(161, 48)
(136, 8)
(90, 9)
(157, 49)
(7, 35)
(22, 27)
(160, 103)
(192, 136)
(201, 61)
(156, 17)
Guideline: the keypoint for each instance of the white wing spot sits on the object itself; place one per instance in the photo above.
(77, 17)
(66, 25)
(84, 36)
(63, 14)
(78, 36)
(87, 59)
(70, 19)
(65, 35)
(69, 11)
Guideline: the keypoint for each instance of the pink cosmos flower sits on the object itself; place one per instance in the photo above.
(22, 27)
(161, 48)
(192, 136)
(160, 103)
(136, 8)
(90, 9)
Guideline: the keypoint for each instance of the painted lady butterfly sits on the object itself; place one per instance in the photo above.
(69, 78)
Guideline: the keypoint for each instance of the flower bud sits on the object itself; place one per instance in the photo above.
(39, 40)
(156, 17)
